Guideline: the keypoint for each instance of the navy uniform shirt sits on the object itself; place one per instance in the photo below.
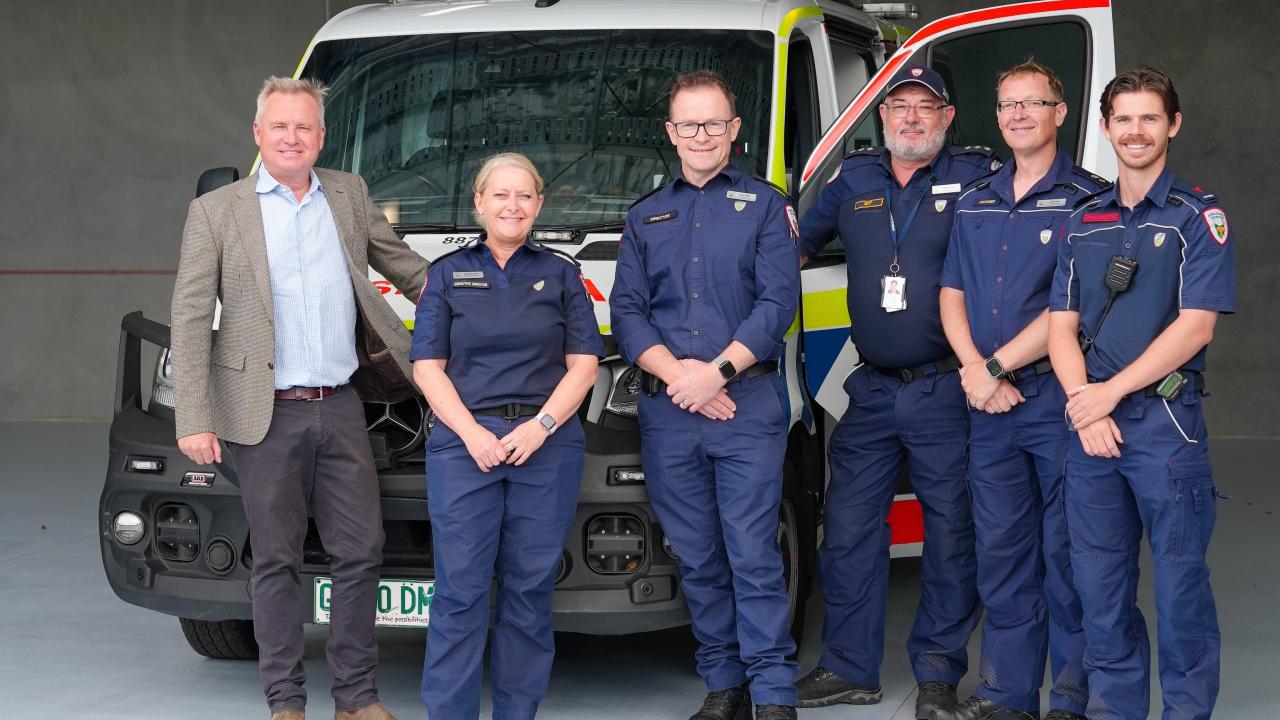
(1003, 253)
(856, 204)
(1186, 260)
(702, 267)
(504, 332)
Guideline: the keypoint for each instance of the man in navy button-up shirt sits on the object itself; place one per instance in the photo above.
(1142, 460)
(707, 285)
(892, 209)
(995, 309)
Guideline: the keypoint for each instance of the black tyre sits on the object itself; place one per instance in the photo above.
(794, 572)
(221, 639)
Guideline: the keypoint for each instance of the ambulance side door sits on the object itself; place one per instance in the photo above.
(969, 50)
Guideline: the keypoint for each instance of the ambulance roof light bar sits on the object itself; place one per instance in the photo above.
(892, 10)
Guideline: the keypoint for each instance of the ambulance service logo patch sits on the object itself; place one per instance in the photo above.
(916, 72)
(1159, 239)
(939, 205)
(794, 222)
(739, 205)
(539, 285)
(1045, 236)
(1217, 222)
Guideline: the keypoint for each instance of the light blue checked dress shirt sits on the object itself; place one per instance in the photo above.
(315, 306)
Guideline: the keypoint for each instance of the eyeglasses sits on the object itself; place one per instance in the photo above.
(923, 110)
(714, 128)
(1005, 106)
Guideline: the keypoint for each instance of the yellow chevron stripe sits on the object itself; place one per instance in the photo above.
(826, 309)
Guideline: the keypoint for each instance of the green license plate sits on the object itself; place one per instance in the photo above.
(401, 603)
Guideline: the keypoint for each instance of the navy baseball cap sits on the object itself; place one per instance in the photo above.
(922, 75)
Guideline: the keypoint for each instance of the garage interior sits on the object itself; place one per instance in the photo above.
(111, 111)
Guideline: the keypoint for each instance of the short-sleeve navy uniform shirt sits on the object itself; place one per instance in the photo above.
(1178, 234)
(1003, 253)
(504, 331)
(700, 267)
(856, 204)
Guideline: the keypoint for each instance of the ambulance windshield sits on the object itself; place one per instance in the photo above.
(415, 115)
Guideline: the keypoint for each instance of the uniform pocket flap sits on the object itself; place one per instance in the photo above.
(228, 358)
(1186, 469)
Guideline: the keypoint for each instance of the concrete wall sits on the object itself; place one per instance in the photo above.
(110, 110)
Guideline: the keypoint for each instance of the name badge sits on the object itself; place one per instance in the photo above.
(468, 274)
(989, 201)
(478, 284)
(948, 188)
(868, 204)
(735, 195)
(661, 217)
(1055, 202)
(1101, 217)
(893, 293)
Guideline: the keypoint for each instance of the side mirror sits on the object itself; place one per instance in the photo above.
(214, 178)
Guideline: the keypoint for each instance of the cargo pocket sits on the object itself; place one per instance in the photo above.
(1195, 508)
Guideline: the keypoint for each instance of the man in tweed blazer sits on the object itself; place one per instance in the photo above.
(287, 251)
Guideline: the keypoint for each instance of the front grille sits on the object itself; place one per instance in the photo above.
(601, 250)
(408, 546)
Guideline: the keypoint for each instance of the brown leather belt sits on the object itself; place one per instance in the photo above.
(298, 392)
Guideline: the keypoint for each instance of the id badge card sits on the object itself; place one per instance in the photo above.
(893, 293)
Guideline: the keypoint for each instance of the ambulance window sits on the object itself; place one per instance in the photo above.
(851, 53)
(800, 130)
(971, 64)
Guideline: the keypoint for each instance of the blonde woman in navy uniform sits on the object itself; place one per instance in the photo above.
(505, 348)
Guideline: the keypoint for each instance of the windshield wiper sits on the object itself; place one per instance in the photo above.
(406, 228)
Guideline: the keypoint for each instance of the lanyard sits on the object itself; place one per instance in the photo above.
(893, 225)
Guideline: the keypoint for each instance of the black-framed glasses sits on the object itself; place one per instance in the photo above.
(1004, 106)
(923, 110)
(714, 128)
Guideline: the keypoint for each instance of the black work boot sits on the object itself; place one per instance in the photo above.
(1060, 714)
(775, 712)
(975, 708)
(730, 704)
(821, 688)
(932, 696)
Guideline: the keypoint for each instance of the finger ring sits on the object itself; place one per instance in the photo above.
(684, 404)
(510, 448)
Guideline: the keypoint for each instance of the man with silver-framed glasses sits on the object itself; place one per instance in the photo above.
(892, 208)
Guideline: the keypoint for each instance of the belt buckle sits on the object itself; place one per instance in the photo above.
(320, 395)
(510, 411)
(906, 375)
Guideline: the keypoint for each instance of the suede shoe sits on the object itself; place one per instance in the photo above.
(775, 712)
(729, 704)
(933, 696)
(821, 688)
(1061, 714)
(288, 715)
(368, 712)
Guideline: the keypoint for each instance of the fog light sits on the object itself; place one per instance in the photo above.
(145, 464)
(128, 528)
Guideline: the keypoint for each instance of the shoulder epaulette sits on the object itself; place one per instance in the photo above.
(561, 253)
(781, 191)
(470, 244)
(645, 196)
(1090, 198)
(1098, 179)
(870, 151)
(970, 150)
(1195, 191)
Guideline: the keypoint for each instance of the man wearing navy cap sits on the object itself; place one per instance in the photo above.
(892, 209)
(1144, 270)
(995, 310)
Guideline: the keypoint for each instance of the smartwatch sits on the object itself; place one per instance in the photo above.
(995, 368)
(547, 422)
(727, 370)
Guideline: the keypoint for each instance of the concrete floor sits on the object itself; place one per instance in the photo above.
(70, 649)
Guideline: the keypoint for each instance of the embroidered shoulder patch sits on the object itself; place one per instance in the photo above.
(1217, 222)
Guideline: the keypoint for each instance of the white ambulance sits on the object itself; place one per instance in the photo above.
(421, 92)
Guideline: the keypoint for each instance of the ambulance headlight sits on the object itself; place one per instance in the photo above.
(128, 528)
(624, 396)
(162, 385)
